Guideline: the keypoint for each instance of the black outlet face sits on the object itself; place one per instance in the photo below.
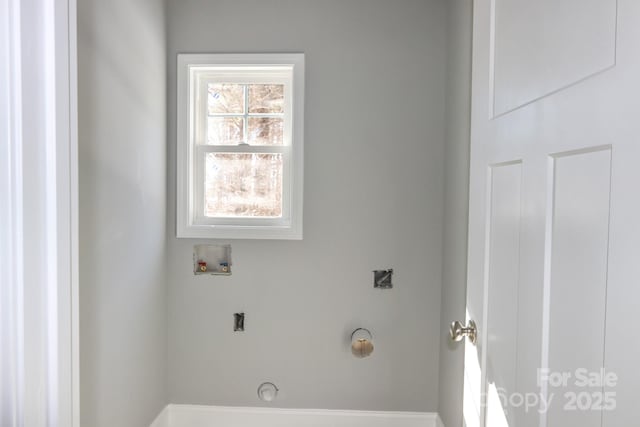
(238, 322)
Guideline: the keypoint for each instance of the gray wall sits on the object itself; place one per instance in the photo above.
(122, 139)
(374, 148)
(456, 206)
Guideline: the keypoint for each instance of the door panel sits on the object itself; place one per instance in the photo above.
(502, 311)
(545, 45)
(577, 282)
(553, 262)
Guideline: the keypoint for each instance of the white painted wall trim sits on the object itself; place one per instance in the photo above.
(63, 55)
(209, 416)
(38, 224)
(162, 420)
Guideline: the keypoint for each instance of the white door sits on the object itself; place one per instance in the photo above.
(554, 226)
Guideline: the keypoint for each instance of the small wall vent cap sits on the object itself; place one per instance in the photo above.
(267, 392)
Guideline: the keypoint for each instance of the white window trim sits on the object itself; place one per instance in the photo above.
(189, 223)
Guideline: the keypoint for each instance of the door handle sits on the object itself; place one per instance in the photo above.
(458, 331)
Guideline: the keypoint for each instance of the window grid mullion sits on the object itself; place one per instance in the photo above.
(249, 149)
(258, 115)
(226, 115)
(245, 122)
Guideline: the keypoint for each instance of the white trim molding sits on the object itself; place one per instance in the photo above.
(38, 222)
(162, 420)
(207, 416)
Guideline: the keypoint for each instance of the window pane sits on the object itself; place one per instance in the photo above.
(225, 130)
(266, 99)
(225, 98)
(265, 131)
(243, 185)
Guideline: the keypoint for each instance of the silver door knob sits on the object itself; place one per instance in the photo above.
(458, 331)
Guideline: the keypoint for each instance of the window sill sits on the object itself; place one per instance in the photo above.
(239, 232)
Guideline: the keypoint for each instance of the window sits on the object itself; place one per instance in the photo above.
(240, 146)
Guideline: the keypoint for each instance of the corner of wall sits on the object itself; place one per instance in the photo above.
(162, 420)
(454, 248)
(122, 167)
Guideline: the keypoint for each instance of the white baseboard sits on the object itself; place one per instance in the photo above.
(223, 416)
(162, 420)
